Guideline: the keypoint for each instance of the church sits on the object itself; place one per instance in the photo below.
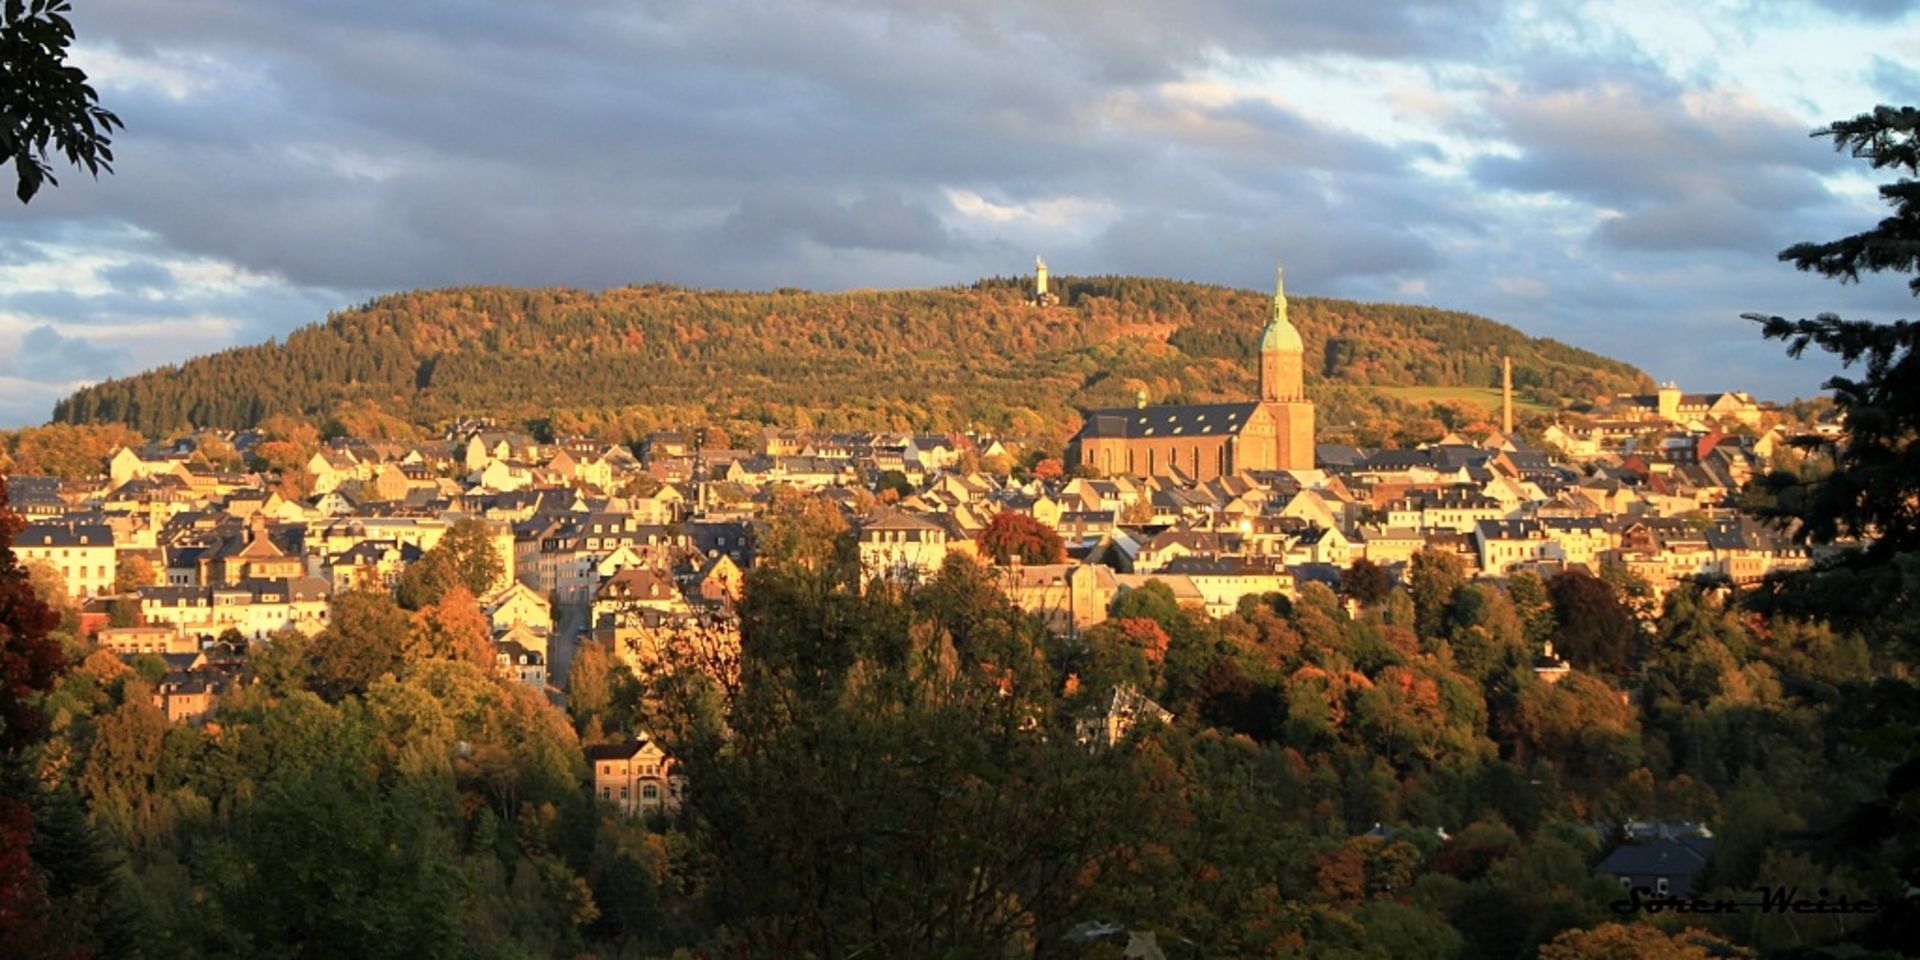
(1200, 441)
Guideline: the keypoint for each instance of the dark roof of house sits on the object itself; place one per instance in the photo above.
(1661, 857)
(1187, 420)
(1194, 566)
(617, 751)
(1337, 455)
(24, 490)
(65, 535)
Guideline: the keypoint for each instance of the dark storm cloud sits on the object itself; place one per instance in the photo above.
(347, 147)
(375, 146)
(877, 221)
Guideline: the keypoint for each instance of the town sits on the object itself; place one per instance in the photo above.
(644, 550)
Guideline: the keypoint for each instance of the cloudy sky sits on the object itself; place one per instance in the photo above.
(1616, 174)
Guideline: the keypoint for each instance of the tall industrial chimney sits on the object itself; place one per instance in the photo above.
(1506, 396)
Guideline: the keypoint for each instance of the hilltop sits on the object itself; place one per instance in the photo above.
(631, 359)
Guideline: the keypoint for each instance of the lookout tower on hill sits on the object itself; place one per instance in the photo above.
(1041, 295)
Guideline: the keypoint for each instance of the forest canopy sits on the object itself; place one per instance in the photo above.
(624, 361)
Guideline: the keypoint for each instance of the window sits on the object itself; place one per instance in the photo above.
(623, 793)
(1660, 886)
(652, 792)
(606, 793)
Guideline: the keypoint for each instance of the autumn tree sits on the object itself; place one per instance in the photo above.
(366, 636)
(806, 531)
(452, 628)
(30, 661)
(1015, 537)
(1615, 941)
(131, 573)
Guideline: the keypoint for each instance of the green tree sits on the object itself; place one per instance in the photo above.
(334, 859)
(465, 557)
(590, 683)
(1866, 500)
(121, 778)
(1529, 595)
(1365, 583)
(1593, 629)
(46, 104)
(915, 805)
(1436, 575)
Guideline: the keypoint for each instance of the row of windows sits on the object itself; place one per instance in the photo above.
(904, 536)
(1223, 461)
(648, 792)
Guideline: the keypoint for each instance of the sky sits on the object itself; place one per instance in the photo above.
(1618, 175)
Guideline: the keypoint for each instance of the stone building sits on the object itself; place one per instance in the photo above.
(1202, 441)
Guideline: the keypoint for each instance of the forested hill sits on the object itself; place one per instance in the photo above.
(628, 360)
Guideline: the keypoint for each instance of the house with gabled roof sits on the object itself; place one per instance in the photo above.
(637, 775)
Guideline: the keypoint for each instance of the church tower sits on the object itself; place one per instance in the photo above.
(1283, 393)
(1281, 378)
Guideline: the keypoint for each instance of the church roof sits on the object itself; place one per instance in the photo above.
(1280, 335)
(1183, 420)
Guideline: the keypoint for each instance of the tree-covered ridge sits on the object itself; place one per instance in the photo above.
(941, 359)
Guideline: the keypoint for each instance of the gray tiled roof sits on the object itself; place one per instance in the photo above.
(1185, 420)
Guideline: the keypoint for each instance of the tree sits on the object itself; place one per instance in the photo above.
(465, 557)
(1594, 630)
(363, 640)
(452, 629)
(1614, 941)
(590, 682)
(1365, 583)
(132, 573)
(30, 662)
(1436, 575)
(1015, 536)
(895, 481)
(1867, 499)
(46, 104)
(1530, 600)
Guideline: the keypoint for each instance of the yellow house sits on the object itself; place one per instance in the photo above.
(637, 775)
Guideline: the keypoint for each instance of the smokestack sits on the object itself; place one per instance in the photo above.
(1506, 396)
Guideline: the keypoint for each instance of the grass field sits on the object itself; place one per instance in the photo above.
(1486, 397)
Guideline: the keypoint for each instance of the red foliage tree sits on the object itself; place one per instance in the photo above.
(30, 662)
(1015, 535)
